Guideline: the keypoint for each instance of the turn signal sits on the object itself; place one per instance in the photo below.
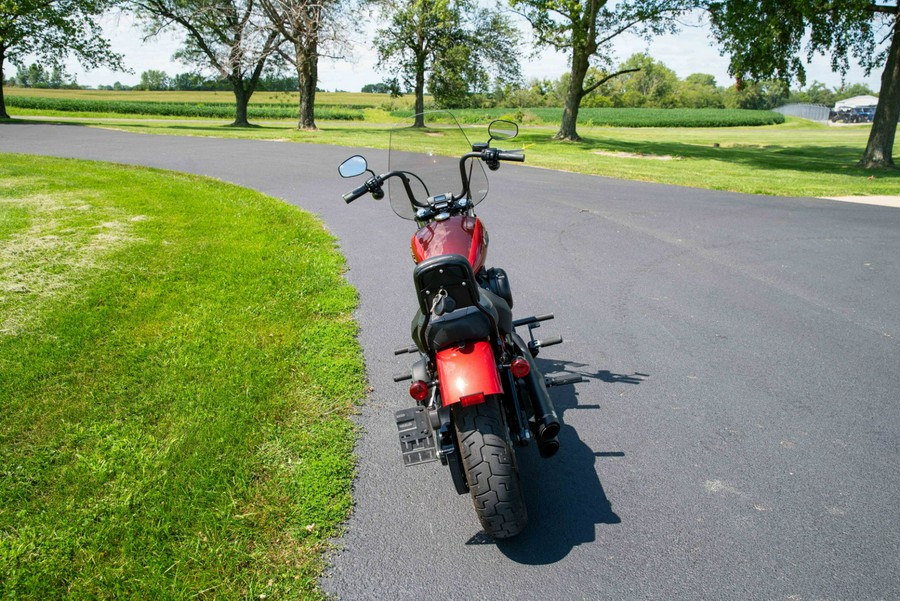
(520, 368)
(418, 390)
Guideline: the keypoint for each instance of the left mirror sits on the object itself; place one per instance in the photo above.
(355, 165)
(503, 130)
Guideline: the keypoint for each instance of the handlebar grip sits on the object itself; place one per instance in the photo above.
(511, 156)
(354, 194)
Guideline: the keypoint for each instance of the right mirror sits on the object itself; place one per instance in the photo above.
(503, 130)
(355, 165)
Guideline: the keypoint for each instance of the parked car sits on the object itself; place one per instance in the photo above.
(857, 114)
(862, 114)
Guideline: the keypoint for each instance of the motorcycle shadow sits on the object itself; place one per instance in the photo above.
(565, 497)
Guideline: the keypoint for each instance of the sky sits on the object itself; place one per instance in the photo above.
(690, 51)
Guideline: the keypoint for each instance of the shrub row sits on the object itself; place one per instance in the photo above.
(216, 110)
(622, 117)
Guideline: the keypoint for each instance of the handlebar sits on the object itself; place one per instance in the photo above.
(511, 156)
(489, 155)
(354, 194)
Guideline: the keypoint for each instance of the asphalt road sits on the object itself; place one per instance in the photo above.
(739, 437)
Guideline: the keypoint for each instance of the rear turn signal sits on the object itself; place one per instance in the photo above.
(418, 390)
(520, 368)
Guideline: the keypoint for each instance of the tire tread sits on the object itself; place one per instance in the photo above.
(490, 469)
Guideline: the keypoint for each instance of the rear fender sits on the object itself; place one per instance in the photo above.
(468, 373)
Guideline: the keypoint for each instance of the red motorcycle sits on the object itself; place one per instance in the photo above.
(477, 388)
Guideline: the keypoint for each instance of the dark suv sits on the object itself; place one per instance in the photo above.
(862, 114)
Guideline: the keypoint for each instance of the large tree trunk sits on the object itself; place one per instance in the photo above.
(3, 113)
(241, 99)
(420, 92)
(567, 129)
(307, 78)
(880, 147)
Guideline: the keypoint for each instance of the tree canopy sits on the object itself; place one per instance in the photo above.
(229, 37)
(769, 38)
(311, 27)
(586, 29)
(462, 45)
(51, 30)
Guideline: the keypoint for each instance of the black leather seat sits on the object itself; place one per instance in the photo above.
(471, 312)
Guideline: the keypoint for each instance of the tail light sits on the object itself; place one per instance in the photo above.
(520, 368)
(418, 390)
(472, 399)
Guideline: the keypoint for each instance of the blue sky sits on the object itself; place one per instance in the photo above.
(690, 51)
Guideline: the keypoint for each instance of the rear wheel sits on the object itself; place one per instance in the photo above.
(490, 467)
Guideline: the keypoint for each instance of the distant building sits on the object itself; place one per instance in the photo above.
(856, 102)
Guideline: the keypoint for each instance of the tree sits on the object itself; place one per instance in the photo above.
(765, 38)
(459, 42)
(154, 80)
(756, 95)
(51, 30)
(699, 90)
(855, 89)
(377, 88)
(585, 29)
(645, 82)
(230, 37)
(480, 56)
(33, 76)
(418, 31)
(309, 25)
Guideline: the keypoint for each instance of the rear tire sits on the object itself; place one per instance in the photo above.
(490, 467)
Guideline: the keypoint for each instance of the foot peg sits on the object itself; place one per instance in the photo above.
(416, 440)
(563, 380)
(536, 345)
(526, 321)
(533, 323)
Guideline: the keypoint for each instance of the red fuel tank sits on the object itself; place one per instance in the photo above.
(458, 235)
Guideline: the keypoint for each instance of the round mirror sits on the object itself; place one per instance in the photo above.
(503, 130)
(355, 165)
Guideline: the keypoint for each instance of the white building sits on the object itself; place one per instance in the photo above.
(856, 102)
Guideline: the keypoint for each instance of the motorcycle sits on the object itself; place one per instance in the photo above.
(478, 391)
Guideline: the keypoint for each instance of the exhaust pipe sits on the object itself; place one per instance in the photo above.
(546, 426)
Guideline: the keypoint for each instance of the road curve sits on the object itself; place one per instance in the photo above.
(739, 436)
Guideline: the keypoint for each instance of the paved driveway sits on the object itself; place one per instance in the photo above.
(738, 437)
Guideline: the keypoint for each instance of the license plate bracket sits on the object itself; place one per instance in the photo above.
(416, 439)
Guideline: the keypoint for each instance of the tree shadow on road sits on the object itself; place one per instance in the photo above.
(565, 497)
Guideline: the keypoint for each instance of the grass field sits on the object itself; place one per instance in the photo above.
(286, 98)
(794, 158)
(797, 158)
(177, 366)
(211, 106)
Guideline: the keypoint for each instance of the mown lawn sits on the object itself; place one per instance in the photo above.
(178, 364)
(259, 97)
(797, 158)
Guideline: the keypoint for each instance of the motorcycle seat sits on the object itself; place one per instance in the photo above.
(476, 313)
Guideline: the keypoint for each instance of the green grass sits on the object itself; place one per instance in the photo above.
(618, 117)
(283, 106)
(344, 99)
(178, 362)
(213, 110)
(794, 158)
(797, 158)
